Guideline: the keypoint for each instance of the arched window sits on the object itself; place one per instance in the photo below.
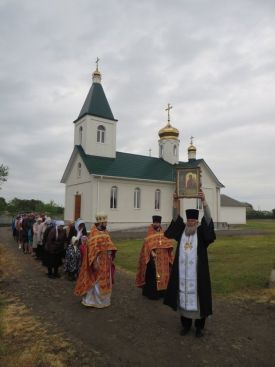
(175, 150)
(79, 170)
(137, 198)
(113, 197)
(80, 135)
(157, 199)
(100, 134)
(161, 151)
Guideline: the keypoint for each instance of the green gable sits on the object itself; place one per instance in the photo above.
(96, 104)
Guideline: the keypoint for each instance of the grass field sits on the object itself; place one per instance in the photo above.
(238, 264)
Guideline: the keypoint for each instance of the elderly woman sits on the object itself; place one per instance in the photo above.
(77, 229)
(72, 259)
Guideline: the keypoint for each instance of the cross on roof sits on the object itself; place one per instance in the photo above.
(191, 140)
(168, 109)
(97, 60)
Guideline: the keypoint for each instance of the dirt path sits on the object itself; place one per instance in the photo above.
(137, 332)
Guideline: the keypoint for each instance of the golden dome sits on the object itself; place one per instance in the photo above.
(168, 132)
(192, 148)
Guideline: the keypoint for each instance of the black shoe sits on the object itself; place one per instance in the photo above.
(199, 333)
(184, 331)
(51, 276)
(57, 275)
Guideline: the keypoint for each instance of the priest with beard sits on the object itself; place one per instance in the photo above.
(189, 288)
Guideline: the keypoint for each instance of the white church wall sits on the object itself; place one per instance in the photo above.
(89, 142)
(75, 177)
(167, 151)
(233, 215)
(78, 183)
(125, 215)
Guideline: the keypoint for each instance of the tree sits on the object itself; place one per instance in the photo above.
(4, 171)
(3, 204)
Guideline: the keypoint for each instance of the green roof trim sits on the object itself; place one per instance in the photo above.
(96, 104)
(134, 166)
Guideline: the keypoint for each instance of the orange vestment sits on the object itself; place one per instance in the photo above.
(97, 263)
(163, 248)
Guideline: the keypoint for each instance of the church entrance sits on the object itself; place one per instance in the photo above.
(77, 207)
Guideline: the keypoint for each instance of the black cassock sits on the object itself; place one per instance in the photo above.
(206, 235)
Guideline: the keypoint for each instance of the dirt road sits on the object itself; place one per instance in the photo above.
(137, 332)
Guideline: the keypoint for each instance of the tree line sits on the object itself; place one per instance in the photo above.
(260, 214)
(16, 206)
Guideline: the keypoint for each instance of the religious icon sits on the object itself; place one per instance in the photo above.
(188, 182)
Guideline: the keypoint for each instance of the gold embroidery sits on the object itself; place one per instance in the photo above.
(188, 246)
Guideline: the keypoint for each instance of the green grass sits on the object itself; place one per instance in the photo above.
(238, 264)
(241, 264)
(260, 224)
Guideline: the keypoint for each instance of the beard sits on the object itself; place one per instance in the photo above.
(190, 230)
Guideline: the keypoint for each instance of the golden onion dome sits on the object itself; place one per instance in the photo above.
(168, 132)
(96, 76)
(192, 148)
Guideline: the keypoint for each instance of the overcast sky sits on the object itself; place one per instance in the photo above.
(213, 60)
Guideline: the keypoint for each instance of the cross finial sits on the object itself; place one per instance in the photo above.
(150, 151)
(97, 60)
(191, 140)
(169, 107)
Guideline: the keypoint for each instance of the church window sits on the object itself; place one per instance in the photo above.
(175, 150)
(161, 151)
(113, 198)
(137, 198)
(157, 199)
(79, 170)
(80, 135)
(101, 134)
(199, 204)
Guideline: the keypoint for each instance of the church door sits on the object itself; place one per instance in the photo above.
(77, 207)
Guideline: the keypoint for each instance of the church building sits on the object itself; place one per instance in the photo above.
(129, 188)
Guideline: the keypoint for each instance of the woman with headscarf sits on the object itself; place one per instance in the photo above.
(77, 229)
(72, 259)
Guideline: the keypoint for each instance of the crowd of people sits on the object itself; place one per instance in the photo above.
(51, 242)
(183, 279)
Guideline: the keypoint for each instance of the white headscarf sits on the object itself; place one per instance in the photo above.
(79, 231)
(57, 224)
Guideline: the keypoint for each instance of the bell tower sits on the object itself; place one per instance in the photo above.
(168, 141)
(95, 127)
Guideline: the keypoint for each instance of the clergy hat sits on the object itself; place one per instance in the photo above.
(156, 218)
(101, 217)
(192, 214)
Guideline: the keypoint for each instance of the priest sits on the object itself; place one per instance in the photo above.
(155, 261)
(189, 288)
(96, 274)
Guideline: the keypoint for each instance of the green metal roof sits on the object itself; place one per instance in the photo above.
(133, 166)
(96, 103)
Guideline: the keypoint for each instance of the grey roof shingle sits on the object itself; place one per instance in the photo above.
(228, 201)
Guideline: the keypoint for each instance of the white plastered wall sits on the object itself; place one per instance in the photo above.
(125, 215)
(89, 136)
(78, 185)
(233, 215)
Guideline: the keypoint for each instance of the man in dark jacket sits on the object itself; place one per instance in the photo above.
(189, 288)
